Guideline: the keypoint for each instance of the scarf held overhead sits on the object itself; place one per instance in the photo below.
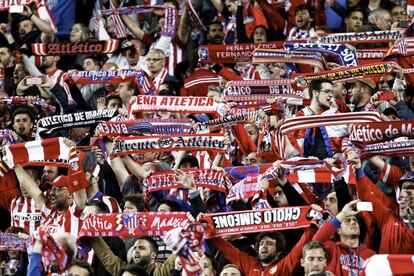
(191, 142)
(361, 37)
(93, 48)
(369, 133)
(129, 225)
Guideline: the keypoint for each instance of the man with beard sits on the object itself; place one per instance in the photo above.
(361, 91)
(145, 251)
(60, 210)
(347, 256)
(316, 141)
(215, 34)
(271, 258)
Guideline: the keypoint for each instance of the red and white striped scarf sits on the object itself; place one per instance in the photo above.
(195, 21)
(120, 29)
(369, 133)
(39, 153)
(206, 178)
(159, 79)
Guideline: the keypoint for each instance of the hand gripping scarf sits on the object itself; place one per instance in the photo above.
(80, 119)
(187, 243)
(205, 178)
(369, 133)
(344, 53)
(345, 74)
(361, 37)
(233, 53)
(129, 225)
(86, 48)
(52, 250)
(261, 56)
(144, 126)
(191, 142)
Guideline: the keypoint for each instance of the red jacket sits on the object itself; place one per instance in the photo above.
(342, 258)
(251, 266)
(397, 238)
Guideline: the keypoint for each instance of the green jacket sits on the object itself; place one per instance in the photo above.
(113, 263)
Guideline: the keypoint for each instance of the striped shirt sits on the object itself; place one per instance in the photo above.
(25, 214)
(62, 221)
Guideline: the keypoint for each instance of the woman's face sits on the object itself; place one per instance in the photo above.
(76, 33)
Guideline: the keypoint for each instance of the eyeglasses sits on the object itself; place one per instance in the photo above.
(154, 59)
(326, 91)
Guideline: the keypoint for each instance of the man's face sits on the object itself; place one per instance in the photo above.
(384, 83)
(163, 208)
(356, 93)
(253, 132)
(252, 159)
(89, 65)
(48, 61)
(25, 26)
(19, 73)
(230, 271)
(114, 104)
(354, 21)
(142, 253)
(5, 56)
(324, 95)
(314, 261)
(187, 165)
(349, 227)
(50, 174)
(206, 267)
(129, 208)
(331, 203)
(75, 270)
(340, 91)
(398, 14)
(22, 124)
(280, 197)
(384, 22)
(259, 35)
(231, 6)
(75, 34)
(303, 19)
(124, 92)
(215, 34)
(155, 62)
(403, 204)
(59, 198)
(267, 250)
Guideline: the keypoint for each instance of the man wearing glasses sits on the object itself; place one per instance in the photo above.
(316, 142)
(155, 62)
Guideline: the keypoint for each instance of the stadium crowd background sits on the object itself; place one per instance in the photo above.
(41, 202)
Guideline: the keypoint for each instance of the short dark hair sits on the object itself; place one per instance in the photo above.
(214, 22)
(316, 84)
(132, 85)
(134, 269)
(278, 237)
(112, 97)
(99, 204)
(152, 242)
(313, 245)
(137, 201)
(307, 7)
(82, 264)
(24, 110)
(173, 205)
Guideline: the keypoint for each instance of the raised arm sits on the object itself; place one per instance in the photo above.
(30, 186)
